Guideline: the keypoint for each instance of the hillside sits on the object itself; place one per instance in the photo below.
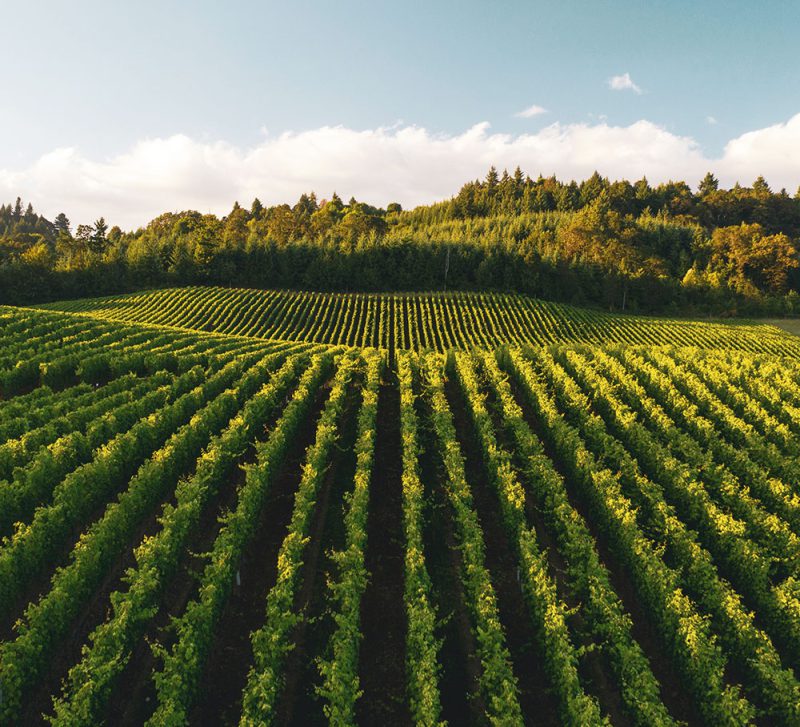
(225, 506)
(436, 321)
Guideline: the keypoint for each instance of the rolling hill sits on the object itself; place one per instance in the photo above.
(225, 506)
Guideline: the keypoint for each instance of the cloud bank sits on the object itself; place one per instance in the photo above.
(407, 164)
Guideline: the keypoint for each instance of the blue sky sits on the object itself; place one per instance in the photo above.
(97, 82)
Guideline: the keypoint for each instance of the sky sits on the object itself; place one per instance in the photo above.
(127, 110)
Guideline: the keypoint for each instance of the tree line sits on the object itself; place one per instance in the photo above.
(618, 245)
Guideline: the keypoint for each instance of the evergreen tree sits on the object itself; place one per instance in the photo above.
(708, 184)
(61, 223)
(492, 180)
(592, 188)
(98, 243)
(760, 187)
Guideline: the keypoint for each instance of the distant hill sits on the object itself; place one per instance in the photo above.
(417, 321)
(616, 245)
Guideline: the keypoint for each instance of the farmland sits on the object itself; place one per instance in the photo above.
(415, 321)
(225, 506)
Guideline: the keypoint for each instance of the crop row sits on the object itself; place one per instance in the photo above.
(639, 503)
(417, 321)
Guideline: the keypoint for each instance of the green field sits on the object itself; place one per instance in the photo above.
(227, 506)
(418, 321)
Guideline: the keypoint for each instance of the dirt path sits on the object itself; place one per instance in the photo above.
(383, 617)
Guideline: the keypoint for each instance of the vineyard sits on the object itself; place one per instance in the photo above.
(224, 507)
(417, 321)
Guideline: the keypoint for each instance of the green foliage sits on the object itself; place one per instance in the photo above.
(92, 679)
(340, 686)
(497, 681)
(417, 321)
(647, 493)
(613, 244)
(548, 613)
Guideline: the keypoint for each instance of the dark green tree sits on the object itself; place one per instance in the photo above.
(61, 223)
(98, 242)
(760, 187)
(708, 184)
(492, 180)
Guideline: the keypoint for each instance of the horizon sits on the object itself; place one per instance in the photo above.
(195, 107)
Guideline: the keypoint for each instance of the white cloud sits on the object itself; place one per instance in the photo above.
(401, 163)
(773, 151)
(531, 111)
(711, 120)
(623, 83)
